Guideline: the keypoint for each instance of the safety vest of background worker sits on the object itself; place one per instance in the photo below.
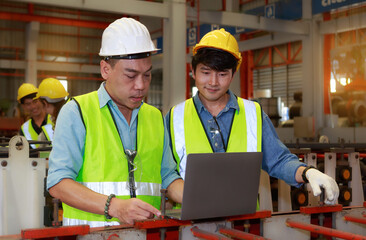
(53, 95)
(29, 91)
(103, 143)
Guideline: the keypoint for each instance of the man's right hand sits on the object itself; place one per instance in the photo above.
(129, 210)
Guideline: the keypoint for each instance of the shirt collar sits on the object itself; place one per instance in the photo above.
(232, 103)
(103, 95)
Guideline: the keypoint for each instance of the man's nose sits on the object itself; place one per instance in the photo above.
(140, 83)
(213, 80)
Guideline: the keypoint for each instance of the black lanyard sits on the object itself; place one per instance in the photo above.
(130, 155)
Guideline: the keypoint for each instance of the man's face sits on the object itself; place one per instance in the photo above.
(212, 85)
(32, 107)
(128, 81)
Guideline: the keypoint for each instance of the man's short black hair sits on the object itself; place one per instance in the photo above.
(215, 59)
(31, 96)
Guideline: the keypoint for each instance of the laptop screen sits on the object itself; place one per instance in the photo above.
(221, 184)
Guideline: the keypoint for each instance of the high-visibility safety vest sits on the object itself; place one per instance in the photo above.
(105, 165)
(48, 131)
(189, 136)
(31, 134)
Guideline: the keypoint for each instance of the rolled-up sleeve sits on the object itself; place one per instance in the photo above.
(278, 161)
(66, 157)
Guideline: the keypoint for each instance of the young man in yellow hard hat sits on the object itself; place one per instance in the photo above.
(111, 153)
(38, 116)
(215, 120)
(53, 95)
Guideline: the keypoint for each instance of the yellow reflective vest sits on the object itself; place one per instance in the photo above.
(188, 134)
(31, 134)
(105, 166)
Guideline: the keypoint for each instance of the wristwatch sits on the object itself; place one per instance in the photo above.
(304, 173)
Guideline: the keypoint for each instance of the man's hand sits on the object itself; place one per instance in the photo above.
(131, 209)
(317, 180)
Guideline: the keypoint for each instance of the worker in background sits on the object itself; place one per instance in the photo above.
(215, 120)
(35, 109)
(111, 153)
(53, 95)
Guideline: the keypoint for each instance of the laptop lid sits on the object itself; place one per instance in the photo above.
(220, 184)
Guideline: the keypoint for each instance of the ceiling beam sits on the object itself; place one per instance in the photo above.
(353, 22)
(52, 20)
(252, 22)
(52, 66)
(132, 7)
(268, 40)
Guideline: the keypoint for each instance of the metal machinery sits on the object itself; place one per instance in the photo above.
(21, 212)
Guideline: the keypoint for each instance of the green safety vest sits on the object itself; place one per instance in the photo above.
(188, 134)
(105, 166)
(31, 134)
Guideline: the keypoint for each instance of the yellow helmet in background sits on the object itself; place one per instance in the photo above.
(220, 39)
(52, 90)
(26, 89)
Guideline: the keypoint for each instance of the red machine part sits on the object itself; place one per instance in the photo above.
(325, 231)
(55, 232)
(321, 209)
(355, 219)
(240, 234)
(207, 235)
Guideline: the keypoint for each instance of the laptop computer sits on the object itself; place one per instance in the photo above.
(219, 185)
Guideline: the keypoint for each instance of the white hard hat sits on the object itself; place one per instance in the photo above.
(125, 37)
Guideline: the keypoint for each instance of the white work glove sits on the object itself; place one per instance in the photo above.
(317, 180)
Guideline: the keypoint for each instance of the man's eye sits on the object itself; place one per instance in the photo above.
(131, 76)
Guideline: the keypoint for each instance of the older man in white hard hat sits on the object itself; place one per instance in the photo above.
(111, 154)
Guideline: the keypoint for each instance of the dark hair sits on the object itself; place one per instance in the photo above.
(57, 105)
(31, 96)
(111, 61)
(215, 59)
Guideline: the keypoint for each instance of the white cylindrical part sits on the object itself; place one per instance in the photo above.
(3, 203)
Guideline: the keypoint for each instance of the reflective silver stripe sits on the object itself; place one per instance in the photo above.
(70, 221)
(180, 141)
(49, 131)
(26, 132)
(251, 119)
(122, 188)
(178, 122)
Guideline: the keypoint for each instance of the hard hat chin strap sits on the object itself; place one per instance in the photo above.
(130, 56)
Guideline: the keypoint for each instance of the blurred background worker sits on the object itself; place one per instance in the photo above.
(53, 95)
(111, 153)
(215, 120)
(36, 111)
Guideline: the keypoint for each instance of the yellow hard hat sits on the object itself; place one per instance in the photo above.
(26, 89)
(52, 90)
(220, 39)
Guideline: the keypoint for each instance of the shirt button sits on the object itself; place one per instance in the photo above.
(216, 144)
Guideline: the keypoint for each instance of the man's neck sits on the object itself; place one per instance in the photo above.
(215, 107)
(38, 120)
(127, 113)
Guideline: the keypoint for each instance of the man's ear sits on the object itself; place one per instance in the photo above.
(193, 72)
(105, 69)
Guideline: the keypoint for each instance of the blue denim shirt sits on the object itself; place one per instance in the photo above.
(277, 161)
(66, 157)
